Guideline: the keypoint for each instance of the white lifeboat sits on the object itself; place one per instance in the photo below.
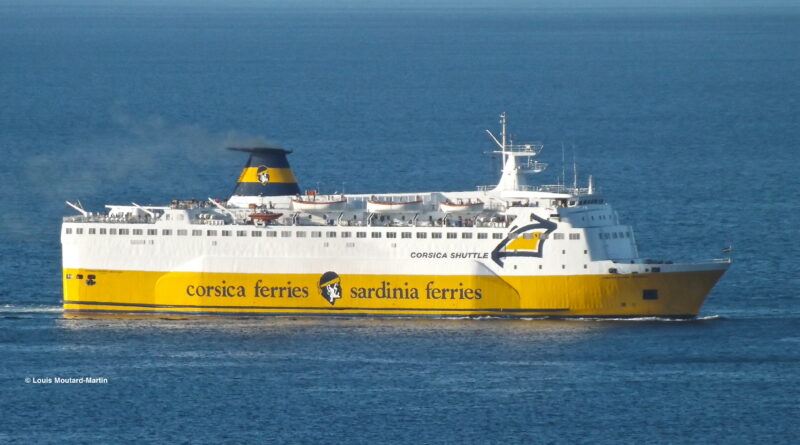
(461, 206)
(376, 205)
(312, 201)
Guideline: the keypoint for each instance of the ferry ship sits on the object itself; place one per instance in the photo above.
(514, 249)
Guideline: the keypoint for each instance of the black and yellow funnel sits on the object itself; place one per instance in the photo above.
(267, 173)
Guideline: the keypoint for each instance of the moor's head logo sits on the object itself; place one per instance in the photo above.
(262, 173)
(524, 241)
(330, 286)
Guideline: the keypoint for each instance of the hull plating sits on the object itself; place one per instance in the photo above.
(678, 294)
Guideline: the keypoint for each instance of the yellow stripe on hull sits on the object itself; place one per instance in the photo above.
(679, 294)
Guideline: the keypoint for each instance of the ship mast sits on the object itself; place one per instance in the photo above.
(512, 176)
(503, 126)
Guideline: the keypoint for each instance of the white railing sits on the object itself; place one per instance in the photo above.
(109, 219)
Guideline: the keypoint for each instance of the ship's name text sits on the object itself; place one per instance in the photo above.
(431, 292)
(450, 255)
(261, 289)
(386, 290)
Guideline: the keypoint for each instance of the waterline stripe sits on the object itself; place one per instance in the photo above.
(322, 308)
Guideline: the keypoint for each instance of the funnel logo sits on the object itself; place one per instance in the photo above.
(330, 286)
(525, 241)
(262, 173)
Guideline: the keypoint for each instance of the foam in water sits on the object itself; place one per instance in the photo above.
(26, 309)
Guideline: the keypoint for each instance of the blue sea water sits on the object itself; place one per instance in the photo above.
(687, 118)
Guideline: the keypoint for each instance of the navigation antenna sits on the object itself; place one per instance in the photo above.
(563, 167)
(574, 170)
(503, 125)
(502, 145)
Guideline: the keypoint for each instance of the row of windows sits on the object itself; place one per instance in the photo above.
(273, 234)
(318, 234)
(614, 235)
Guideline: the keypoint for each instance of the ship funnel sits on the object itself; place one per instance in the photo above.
(267, 173)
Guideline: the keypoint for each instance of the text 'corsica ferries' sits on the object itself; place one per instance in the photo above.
(512, 249)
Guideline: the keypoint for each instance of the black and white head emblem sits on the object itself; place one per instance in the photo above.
(263, 174)
(330, 286)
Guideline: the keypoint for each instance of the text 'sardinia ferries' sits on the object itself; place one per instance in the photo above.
(513, 249)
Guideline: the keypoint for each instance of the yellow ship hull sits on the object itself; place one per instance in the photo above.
(674, 294)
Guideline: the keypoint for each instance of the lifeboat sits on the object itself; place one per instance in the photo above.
(375, 205)
(318, 203)
(264, 216)
(460, 206)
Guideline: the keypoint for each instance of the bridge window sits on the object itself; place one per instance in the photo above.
(238, 233)
(436, 235)
(483, 235)
(102, 231)
(68, 231)
(406, 234)
(92, 231)
(152, 232)
(166, 232)
(316, 234)
(376, 234)
(211, 233)
(422, 235)
(197, 232)
(391, 234)
(361, 234)
(497, 235)
(330, 234)
(558, 236)
(255, 233)
(300, 234)
(79, 231)
(451, 235)
(346, 234)
(574, 236)
(466, 235)
(271, 234)
(226, 233)
(135, 231)
(181, 232)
